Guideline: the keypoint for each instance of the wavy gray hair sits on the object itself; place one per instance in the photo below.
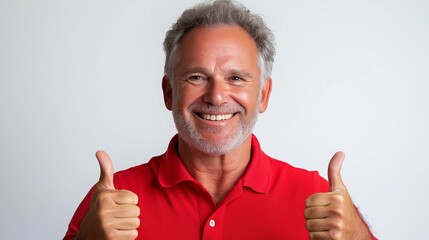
(221, 12)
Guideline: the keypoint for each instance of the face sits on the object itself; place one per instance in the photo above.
(216, 93)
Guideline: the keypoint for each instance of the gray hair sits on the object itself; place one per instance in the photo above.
(220, 12)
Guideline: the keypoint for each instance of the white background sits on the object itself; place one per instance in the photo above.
(78, 76)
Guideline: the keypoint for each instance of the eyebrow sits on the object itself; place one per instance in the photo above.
(240, 73)
(230, 71)
(192, 70)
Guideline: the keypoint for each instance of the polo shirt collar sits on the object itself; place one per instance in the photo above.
(257, 176)
(258, 173)
(171, 169)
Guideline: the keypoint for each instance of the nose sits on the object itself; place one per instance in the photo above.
(216, 92)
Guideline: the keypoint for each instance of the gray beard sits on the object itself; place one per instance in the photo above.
(189, 133)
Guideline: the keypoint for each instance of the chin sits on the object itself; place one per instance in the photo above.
(213, 147)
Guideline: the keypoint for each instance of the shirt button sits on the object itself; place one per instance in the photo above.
(212, 223)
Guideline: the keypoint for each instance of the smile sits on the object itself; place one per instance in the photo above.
(214, 117)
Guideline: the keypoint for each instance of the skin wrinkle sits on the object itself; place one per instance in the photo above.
(263, 76)
(227, 71)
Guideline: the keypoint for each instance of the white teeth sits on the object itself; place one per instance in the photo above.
(217, 117)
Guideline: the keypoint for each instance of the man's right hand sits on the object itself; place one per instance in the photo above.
(113, 214)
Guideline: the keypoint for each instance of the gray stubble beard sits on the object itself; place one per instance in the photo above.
(189, 133)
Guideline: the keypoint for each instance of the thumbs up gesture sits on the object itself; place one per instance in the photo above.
(113, 214)
(333, 215)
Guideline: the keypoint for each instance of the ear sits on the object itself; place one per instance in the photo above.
(265, 95)
(167, 90)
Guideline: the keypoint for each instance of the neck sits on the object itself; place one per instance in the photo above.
(218, 174)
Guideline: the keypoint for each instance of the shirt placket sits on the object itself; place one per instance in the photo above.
(213, 227)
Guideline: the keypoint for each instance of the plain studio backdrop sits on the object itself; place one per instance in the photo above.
(79, 76)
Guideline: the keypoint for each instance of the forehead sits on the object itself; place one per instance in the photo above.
(217, 42)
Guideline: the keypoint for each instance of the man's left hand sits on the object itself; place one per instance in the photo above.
(332, 215)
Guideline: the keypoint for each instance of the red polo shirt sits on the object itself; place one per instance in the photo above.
(268, 202)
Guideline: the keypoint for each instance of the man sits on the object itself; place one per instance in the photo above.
(214, 181)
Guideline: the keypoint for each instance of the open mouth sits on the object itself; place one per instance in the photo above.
(215, 117)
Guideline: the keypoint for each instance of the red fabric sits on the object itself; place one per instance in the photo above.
(268, 202)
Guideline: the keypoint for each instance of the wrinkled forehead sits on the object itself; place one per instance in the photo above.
(218, 41)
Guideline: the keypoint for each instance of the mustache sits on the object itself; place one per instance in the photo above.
(221, 109)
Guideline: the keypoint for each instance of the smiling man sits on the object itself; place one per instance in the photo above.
(214, 181)
(215, 95)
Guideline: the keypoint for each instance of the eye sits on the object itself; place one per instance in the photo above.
(237, 80)
(195, 77)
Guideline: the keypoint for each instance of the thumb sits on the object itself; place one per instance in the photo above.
(106, 170)
(334, 172)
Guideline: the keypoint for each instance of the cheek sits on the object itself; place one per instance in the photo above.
(185, 96)
(247, 98)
